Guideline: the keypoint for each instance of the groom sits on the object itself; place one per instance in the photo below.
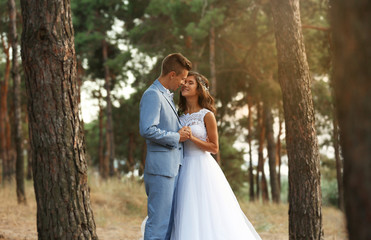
(159, 124)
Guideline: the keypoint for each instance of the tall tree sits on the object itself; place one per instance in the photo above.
(93, 20)
(5, 134)
(249, 140)
(103, 165)
(278, 152)
(21, 196)
(56, 135)
(262, 130)
(271, 147)
(305, 217)
(339, 163)
(350, 22)
(110, 143)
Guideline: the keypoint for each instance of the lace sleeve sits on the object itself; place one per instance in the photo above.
(203, 112)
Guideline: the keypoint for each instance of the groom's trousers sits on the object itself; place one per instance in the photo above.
(161, 192)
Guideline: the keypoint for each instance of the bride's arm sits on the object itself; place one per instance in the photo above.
(212, 144)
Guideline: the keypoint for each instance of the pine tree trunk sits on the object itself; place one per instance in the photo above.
(305, 217)
(103, 164)
(110, 145)
(271, 146)
(278, 153)
(5, 134)
(29, 154)
(29, 162)
(57, 141)
(339, 164)
(352, 54)
(249, 139)
(17, 104)
(264, 185)
(260, 149)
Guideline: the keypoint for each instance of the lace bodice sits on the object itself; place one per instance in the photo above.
(196, 122)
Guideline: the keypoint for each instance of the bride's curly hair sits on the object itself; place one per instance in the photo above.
(205, 100)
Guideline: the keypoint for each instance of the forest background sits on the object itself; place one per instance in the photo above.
(119, 48)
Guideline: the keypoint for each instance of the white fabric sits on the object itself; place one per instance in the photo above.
(206, 207)
(170, 94)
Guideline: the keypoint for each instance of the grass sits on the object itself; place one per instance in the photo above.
(119, 208)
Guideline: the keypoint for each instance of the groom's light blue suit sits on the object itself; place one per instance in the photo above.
(159, 125)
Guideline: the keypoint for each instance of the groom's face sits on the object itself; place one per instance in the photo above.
(177, 80)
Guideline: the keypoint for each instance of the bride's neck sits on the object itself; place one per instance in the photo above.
(192, 105)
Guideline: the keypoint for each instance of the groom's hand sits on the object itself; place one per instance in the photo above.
(184, 133)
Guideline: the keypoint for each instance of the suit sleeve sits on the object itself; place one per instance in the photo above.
(150, 108)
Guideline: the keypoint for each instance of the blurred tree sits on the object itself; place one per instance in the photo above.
(13, 36)
(279, 150)
(305, 218)
(245, 53)
(232, 161)
(271, 147)
(249, 140)
(56, 135)
(127, 119)
(93, 21)
(326, 125)
(5, 127)
(350, 21)
(262, 129)
(103, 165)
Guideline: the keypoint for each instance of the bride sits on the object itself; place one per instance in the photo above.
(205, 206)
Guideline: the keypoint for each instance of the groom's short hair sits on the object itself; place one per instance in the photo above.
(175, 62)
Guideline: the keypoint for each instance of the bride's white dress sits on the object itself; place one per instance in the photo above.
(206, 207)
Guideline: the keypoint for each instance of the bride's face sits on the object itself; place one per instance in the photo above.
(189, 88)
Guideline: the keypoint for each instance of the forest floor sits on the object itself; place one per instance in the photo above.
(119, 207)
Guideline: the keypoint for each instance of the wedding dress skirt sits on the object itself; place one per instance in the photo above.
(206, 207)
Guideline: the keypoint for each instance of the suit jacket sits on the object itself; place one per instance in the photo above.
(159, 125)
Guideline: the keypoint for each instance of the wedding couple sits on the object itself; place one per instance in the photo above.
(189, 197)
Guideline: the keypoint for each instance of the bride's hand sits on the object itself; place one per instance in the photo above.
(189, 130)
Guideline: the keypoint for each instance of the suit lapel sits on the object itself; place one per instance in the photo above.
(171, 104)
(169, 101)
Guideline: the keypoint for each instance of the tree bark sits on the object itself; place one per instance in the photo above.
(103, 164)
(260, 150)
(264, 185)
(352, 53)
(305, 217)
(278, 153)
(5, 134)
(29, 154)
(339, 163)
(110, 144)
(271, 147)
(57, 140)
(21, 196)
(249, 140)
